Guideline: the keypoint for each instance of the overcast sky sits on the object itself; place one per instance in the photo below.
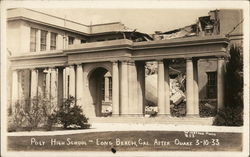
(144, 20)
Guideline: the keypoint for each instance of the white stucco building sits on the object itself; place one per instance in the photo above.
(54, 58)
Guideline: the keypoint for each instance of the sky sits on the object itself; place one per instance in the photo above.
(144, 20)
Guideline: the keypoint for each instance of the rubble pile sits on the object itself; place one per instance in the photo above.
(177, 96)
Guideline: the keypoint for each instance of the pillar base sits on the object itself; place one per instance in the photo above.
(192, 116)
(132, 115)
(115, 115)
(163, 115)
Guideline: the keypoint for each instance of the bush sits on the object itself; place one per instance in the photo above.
(229, 117)
(38, 113)
(28, 115)
(17, 118)
(69, 115)
(207, 108)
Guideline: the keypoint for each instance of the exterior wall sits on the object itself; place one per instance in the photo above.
(46, 18)
(229, 19)
(89, 92)
(19, 36)
(14, 37)
(204, 66)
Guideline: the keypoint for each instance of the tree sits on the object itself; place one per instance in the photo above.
(234, 79)
(232, 114)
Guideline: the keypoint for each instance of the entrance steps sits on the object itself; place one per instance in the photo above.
(154, 120)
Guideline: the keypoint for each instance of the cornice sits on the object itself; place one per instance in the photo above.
(125, 44)
(48, 24)
(37, 55)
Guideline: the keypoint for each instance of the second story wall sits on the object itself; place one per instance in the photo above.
(28, 37)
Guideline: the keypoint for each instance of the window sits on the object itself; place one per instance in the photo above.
(33, 40)
(110, 88)
(211, 85)
(103, 88)
(53, 41)
(71, 40)
(43, 40)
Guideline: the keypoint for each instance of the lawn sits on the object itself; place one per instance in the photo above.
(129, 141)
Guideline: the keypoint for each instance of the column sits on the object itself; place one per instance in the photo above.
(40, 83)
(34, 83)
(196, 87)
(79, 85)
(48, 41)
(106, 88)
(115, 89)
(65, 82)
(124, 87)
(72, 78)
(14, 89)
(132, 85)
(60, 86)
(160, 89)
(21, 88)
(189, 87)
(48, 83)
(220, 83)
(141, 87)
(53, 88)
(38, 40)
(167, 87)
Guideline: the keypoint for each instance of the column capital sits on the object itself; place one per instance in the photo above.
(79, 65)
(124, 61)
(71, 65)
(114, 61)
(33, 69)
(159, 60)
(221, 57)
(189, 59)
(131, 62)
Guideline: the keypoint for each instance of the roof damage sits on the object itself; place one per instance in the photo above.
(205, 25)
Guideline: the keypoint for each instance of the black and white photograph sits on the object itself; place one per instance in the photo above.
(131, 78)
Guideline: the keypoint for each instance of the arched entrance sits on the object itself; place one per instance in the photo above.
(100, 87)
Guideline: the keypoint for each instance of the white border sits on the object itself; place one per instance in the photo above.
(128, 4)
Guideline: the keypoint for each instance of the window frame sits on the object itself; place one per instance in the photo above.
(53, 42)
(211, 85)
(33, 39)
(70, 38)
(43, 37)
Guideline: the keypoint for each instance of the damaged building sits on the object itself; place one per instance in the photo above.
(213, 24)
(110, 68)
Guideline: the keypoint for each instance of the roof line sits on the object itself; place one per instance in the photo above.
(67, 19)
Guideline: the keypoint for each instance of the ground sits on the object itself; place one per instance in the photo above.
(128, 137)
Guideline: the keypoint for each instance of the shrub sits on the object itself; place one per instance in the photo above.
(17, 118)
(37, 113)
(29, 115)
(229, 117)
(69, 115)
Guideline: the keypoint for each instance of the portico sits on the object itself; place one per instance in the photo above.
(71, 72)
